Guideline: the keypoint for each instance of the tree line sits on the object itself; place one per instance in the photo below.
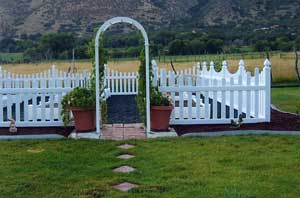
(165, 42)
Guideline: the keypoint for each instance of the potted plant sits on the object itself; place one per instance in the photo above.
(161, 109)
(82, 102)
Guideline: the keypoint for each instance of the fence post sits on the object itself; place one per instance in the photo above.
(155, 72)
(256, 94)
(224, 69)
(248, 96)
(204, 68)
(242, 68)
(198, 68)
(53, 71)
(1, 79)
(163, 78)
(172, 84)
(137, 81)
(267, 72)
(112, 89)
(106, 75)
(212, 72)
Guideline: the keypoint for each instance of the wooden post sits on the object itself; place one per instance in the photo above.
(296, 65)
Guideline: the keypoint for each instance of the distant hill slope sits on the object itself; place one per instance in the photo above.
(40, 16)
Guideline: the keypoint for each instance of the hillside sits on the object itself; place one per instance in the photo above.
(35, 17)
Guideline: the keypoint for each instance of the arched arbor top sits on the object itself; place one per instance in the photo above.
(116, 20)
(101, 30)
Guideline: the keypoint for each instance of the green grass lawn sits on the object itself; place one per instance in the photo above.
(286, 98)
(226, 167)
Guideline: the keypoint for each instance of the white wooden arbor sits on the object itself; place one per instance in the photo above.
(100, 32)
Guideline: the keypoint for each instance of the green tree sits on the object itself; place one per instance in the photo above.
(53, 44)
(177, 47)
(8, 45)
(197, 46)
(164, 37)
(32, 55)
(214, 45)
(284, 44)
(261, 46)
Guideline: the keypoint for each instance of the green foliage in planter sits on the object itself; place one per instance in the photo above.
(158, 98)
(78, 97)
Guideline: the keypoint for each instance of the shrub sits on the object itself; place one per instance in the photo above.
(78, 97)
(159, 99)
(141, 97)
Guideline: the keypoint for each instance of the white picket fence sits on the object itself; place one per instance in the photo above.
(204, 96)
(35, 100)
(200, 94)
(121, 83)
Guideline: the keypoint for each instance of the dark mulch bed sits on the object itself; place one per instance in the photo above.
(279, 122)
(122, 109)
(39, 131)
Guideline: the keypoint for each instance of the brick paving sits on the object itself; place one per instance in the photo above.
(123, 131)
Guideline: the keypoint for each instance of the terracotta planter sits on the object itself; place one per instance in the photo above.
(85, 119)
(160, 117)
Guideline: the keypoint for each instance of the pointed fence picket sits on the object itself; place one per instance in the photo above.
(34, 100)
(200, 94)
(121, 83)
(205, 96)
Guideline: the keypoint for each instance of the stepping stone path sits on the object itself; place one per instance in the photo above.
(124, 169)
(126, 146)
(126, 156)
(125, 186)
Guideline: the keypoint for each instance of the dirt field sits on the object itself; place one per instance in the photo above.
(283, 69)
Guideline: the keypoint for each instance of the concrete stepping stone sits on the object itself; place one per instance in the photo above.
(125, 186)
(124, 169)
(126, 146)
(125, 156)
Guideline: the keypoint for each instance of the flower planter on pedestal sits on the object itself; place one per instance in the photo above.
(85, 119)
(160, 117)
